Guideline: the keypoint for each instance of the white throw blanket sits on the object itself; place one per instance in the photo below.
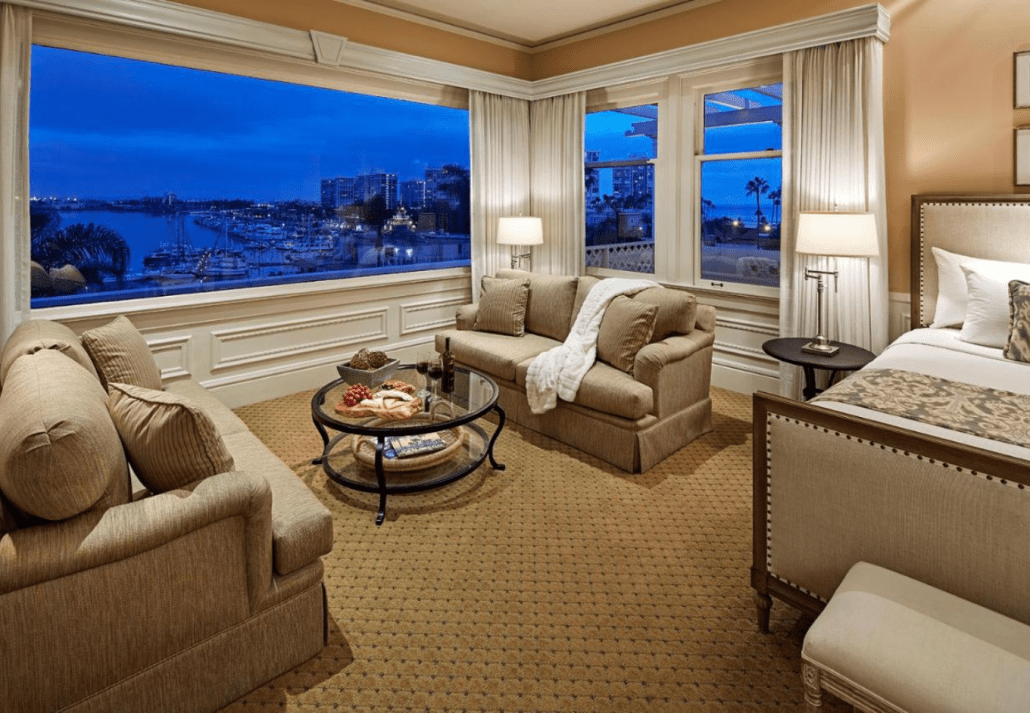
(559, 371)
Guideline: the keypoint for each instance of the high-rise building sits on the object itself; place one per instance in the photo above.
(369, 185)
(413, 194)
(343, 191)
(634, 182)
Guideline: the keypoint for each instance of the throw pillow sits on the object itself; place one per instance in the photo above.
(952, 289)
(170, 440)
(549, 308)
(987, 312)
(59, 449)
(121, 354)
(1018, 346)
(626, 327)
(34, 334)
(677, 310)
(502, 306)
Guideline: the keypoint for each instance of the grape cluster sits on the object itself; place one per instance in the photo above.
(355, 394)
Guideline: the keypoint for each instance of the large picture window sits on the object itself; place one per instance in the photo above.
(619, 170)
(149, 180)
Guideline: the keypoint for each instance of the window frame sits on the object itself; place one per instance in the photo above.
(153, 45)
(650, 92)
(741, 77)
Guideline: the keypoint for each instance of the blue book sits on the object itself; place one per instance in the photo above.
(403, 446)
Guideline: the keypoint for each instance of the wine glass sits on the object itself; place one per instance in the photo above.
(435, 373)
(422, 367)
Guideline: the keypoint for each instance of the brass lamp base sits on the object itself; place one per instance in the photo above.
(820, 345)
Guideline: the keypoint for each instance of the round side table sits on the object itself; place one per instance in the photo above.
(788, 349)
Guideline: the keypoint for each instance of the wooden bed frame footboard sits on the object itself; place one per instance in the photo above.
(832, 489)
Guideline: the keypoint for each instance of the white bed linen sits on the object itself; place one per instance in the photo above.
(940, 353)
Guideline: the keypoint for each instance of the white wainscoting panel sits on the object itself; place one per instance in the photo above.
(742, 324)
(259, 343)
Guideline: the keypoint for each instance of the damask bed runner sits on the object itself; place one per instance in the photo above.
(989, 413)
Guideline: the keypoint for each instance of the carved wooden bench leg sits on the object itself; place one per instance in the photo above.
(813, 691)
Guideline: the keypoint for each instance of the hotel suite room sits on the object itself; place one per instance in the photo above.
(496, 596)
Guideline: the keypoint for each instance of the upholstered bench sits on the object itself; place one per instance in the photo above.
(886, 642)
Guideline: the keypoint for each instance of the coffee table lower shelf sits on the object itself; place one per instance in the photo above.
(371, 473)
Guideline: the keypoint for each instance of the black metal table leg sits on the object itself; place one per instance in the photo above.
(325, 441)
(493, 439)
(381, 478)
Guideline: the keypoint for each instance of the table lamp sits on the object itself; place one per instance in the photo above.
(517, 231)
(834, 234)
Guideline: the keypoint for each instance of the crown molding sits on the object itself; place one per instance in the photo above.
(208, 25)
(863, 21)
(185, 21)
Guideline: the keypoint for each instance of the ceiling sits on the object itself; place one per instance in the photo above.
(529, 24)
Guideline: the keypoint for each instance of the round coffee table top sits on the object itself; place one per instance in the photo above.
(788, 349)
(474, 394)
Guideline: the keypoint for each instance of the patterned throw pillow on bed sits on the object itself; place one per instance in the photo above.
(1018, 346)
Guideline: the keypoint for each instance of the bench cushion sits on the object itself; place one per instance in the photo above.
(920, 648)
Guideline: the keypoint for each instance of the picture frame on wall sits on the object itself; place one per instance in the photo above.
(1023, 156)
(1022, 79)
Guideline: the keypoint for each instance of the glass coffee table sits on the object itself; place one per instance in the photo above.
(358, 455)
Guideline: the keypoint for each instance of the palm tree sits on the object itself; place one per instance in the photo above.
(757, 187)
(95, 250)
(774, 196)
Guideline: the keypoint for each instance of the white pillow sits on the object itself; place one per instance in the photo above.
(987, 311)
(952, 292)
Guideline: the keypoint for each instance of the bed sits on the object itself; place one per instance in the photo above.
(942, 499)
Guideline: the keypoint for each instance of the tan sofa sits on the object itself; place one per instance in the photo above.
(632, 421)
(178, 601)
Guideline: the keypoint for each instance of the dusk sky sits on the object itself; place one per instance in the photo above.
(107, 127)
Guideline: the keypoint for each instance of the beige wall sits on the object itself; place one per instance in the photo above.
(948, 76)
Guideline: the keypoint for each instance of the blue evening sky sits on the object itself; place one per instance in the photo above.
(108, 127)
(723, 182)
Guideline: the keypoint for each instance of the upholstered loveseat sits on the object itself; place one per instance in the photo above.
(178, 585)
(633, 408)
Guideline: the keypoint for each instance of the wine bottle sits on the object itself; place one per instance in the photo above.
(447, 360)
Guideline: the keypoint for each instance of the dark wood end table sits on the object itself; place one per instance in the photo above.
(788, 349)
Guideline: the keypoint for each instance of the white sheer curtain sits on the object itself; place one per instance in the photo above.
(15, 59)
(833, 144)
(499, 128)
(556, 126)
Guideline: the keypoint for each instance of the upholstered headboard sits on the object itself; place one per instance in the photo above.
(992, 227)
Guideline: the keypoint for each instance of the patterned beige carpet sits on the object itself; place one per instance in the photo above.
(558, 584)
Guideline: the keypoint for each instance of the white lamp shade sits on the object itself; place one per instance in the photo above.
(837, 234)
(520, 231)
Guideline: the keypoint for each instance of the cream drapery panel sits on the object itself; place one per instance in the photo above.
(833, 141)
(557, 195)
(15, 65)
(500, 167)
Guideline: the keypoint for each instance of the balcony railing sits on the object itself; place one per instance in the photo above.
(637, 256)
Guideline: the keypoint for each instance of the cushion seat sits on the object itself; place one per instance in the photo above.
(302, 528)
(496, 354)
(608, 390)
